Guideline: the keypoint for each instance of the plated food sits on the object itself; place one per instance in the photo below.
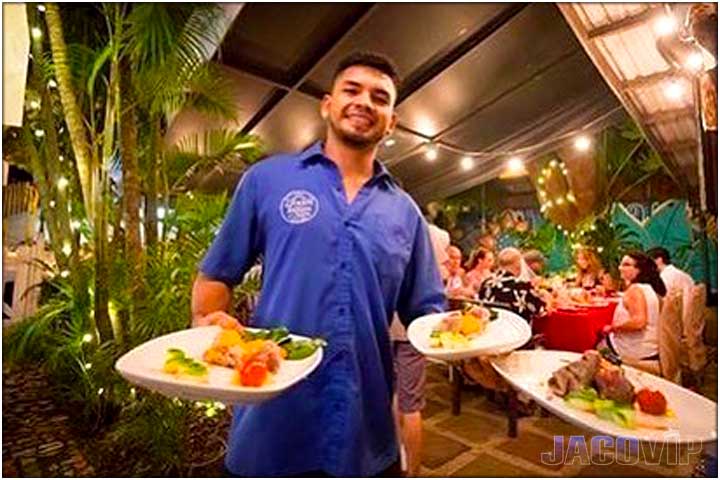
(209, 363)
(593, 384)
(457, 329)
(688, 417)
(468, 333)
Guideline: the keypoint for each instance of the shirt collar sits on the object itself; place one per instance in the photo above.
(314, 153)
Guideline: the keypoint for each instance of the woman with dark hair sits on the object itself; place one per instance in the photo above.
(634, 330)
(480, 267)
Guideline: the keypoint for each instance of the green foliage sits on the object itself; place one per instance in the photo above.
(610, 240)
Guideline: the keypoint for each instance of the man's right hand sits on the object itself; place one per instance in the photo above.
(220, 318)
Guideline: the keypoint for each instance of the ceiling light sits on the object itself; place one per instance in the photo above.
(582, 143)
(389, 142)
(665, 25)
(431, 153)
(674, 90)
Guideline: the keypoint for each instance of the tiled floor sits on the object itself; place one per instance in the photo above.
(475, 443)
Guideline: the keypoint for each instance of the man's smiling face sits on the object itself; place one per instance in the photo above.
(360, 108)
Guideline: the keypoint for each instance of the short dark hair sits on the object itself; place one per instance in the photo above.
(369, 59)
(659, 252)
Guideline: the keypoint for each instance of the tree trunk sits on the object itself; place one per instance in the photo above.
(151, 192)
(131, 181)
(71, 109)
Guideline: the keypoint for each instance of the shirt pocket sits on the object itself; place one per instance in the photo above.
(392, 249)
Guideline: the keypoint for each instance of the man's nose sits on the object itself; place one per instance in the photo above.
(363, 100)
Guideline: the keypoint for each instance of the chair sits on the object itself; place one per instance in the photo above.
(670, 330)
(694, 350)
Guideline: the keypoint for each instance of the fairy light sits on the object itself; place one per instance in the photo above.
(553, 163)
(600, 249)
(62, 183)
(101, 390)
(390, 142)
(66, 250)
(570, 197)
(87, 338)
(467, 163)
(88, 366)
(41, 8)
(559, 201)
(36, 33)
(65, 273)
(160, 213)
(541, 180)
(51, 204)
(52, 83)
(39, 133)
(61, 158)
(75, 224)
(34, 104)
(431, 153)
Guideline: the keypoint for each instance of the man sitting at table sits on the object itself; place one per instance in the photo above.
(506, 290)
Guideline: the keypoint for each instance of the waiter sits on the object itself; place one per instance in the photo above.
(343, 248)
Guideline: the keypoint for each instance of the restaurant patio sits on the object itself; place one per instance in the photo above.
(559, 138)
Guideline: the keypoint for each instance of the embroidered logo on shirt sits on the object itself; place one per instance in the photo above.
(299, 206)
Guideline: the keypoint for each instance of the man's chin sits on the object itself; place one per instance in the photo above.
(361, 142)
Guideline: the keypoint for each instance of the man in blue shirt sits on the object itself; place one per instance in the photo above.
(343, 247)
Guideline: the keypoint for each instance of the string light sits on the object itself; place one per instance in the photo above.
(600, 249)
(695, 62)
(52, 204)
(467, 163)
(34, 104)
(559, 201)
(52, 83)
(66, 250)
(62, 183)
(541, 180)
(100, 390)
(36, 33)
(39, 133)
(61, 158)
(41, 8)
(431, 153)
(65, 273)
(553, 163)
(88, 366)
(87, 338)
(582, 143)
(570, 197)
(160, 213)
(389, 142)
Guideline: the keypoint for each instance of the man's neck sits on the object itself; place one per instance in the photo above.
(354, 164)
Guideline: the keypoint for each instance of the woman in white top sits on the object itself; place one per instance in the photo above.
(634, 330)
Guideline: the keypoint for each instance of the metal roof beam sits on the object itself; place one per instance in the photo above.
(435, 66)
(664, 116)
(644, 81)
(624, 24)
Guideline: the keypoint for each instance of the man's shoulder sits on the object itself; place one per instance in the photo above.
(273, 164)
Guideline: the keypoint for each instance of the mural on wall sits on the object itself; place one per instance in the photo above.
(670, 224)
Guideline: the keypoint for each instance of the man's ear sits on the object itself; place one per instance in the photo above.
(391, 125)
(325, 106)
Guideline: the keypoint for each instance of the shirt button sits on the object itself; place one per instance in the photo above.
(343, 265)
(346, 223)
(341, 310)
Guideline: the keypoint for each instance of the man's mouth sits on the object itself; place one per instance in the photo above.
(361, 118)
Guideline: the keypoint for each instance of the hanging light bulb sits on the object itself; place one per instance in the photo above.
(665, 25)
(467, 163)
(674, 90)
(431, 153)
(582, 143)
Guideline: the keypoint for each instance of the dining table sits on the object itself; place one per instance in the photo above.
(576, 327)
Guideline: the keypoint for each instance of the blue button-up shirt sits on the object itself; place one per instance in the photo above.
(332, 269)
